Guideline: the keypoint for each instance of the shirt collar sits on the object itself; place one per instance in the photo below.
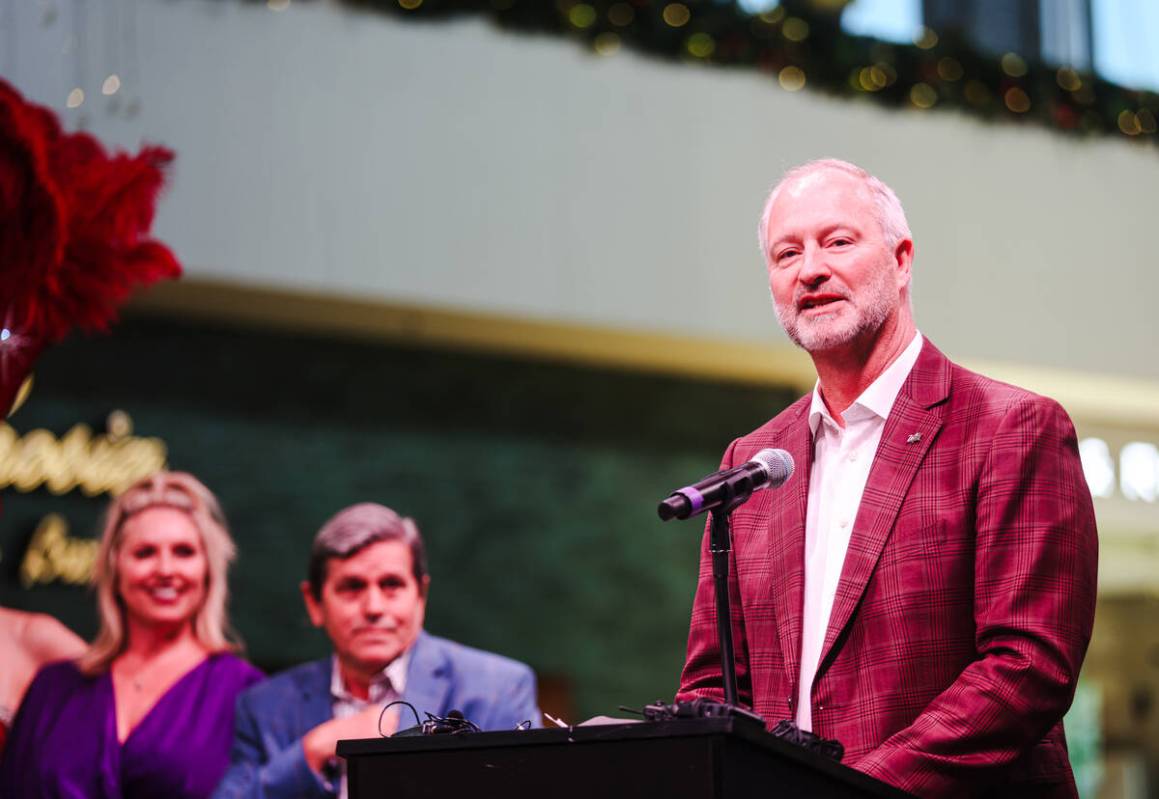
(396, 672)
(391, 678)
(878, 397)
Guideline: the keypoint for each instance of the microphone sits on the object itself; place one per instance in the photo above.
(769, 468)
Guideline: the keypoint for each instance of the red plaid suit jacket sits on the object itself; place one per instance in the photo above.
(965, 603)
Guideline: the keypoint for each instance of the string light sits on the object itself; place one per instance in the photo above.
(111, 85)
(676, 15)
(792, 79)
(923, 95)
(926, 38)
(772, 17)
(606, 43)
(1013, 65)
(700, 45)
(76, 98)
(795, 29)
(581, 16)
(1068, 79)
(1016, 100)
(1129, 123)
(874, 78)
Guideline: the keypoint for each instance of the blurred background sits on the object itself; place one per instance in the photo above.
(494, 264)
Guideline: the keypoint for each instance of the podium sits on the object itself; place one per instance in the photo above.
(706, 758)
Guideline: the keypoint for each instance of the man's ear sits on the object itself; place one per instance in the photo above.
(903, 256)
(313, 606)
(425, 586)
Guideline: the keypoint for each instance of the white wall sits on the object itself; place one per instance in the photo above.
(455, 164)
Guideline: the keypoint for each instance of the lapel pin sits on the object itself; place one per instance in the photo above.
(914, 438)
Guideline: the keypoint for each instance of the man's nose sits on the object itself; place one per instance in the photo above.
(374, 602)
(814, 266)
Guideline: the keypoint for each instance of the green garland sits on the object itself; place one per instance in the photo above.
(803, 47)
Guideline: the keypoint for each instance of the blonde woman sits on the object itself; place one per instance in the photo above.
(147, 710)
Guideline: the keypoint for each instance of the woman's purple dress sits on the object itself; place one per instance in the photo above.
(64, 740)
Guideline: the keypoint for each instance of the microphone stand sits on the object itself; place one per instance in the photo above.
(734, 490)
(720, 545)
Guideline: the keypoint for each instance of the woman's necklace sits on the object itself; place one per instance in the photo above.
(137, 678)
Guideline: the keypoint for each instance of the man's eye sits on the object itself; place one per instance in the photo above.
(785, 255)
(840, 243)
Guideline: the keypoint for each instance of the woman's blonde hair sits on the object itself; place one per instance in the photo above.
(185, 493)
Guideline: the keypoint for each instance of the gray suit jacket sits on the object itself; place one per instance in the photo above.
(267, 759)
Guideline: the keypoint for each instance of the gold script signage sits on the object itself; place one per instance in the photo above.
(94, 464)
(53, 555)
(105, 463)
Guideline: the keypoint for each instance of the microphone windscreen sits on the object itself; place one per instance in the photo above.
(777, 463)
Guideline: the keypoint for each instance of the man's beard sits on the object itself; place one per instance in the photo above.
(866, 313)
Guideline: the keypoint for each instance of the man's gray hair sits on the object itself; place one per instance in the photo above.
(353, 529)
(889, 213)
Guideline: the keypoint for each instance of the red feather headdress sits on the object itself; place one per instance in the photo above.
(74, 224)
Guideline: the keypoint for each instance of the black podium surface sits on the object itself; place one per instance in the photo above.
(685, 759)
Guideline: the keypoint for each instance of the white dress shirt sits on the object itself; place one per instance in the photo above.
(841, 461)
(386, 687)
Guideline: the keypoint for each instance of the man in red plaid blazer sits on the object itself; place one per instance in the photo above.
(932, 610)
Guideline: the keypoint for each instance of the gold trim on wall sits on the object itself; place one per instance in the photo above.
(1089, 398)
(472, 330)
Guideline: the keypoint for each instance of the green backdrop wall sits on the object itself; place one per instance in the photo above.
(534, 483)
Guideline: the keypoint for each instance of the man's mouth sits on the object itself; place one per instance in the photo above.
(376, 631)
(818, 301)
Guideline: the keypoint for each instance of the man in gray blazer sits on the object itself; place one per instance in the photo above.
(367, 587)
